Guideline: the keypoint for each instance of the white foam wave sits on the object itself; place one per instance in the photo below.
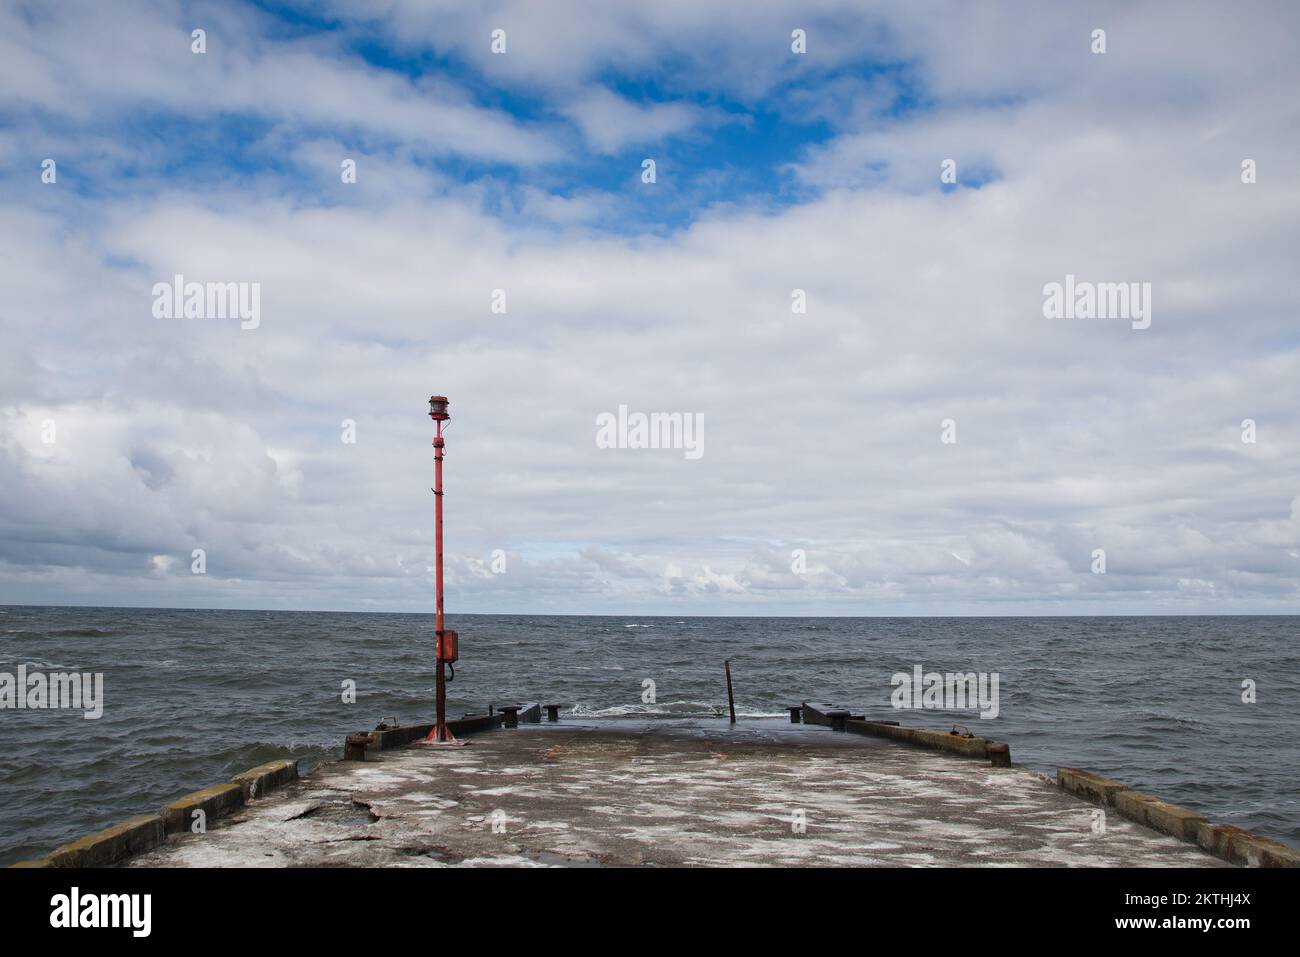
(667, 709)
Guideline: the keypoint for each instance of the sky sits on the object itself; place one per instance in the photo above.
(837, 273)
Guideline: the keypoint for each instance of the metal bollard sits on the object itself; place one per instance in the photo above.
(354, 746)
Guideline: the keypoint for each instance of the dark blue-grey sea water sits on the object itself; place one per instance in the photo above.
(191, 697)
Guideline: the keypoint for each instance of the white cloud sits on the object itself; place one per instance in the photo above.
(97, 63)
(823, 429)
(610, 122)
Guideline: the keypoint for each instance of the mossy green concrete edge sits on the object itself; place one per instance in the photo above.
(1090, 786)
(972, 747)
(111, 844)
(1241, 847)
(213, 802)
(259, 781)
(1171, 819)
(1229, 843)
(146, 832)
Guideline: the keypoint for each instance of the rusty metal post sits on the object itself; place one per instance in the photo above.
(731, 701)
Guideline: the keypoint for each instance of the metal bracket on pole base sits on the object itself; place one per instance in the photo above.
(440, 736)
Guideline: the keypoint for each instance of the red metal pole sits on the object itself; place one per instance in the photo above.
(443, 734)
(440, 731)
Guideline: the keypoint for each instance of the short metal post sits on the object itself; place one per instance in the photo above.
(731, 701)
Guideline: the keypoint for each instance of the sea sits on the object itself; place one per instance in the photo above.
(1200, 711)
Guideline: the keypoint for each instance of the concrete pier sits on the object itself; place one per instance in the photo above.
(673, 792)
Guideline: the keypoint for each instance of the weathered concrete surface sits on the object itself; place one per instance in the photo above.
(671, 792)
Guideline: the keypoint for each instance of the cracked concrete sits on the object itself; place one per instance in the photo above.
(671, 793)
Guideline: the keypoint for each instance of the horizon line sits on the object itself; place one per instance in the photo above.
(478, 614)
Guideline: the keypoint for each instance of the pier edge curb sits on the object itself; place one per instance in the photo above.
(1225, 841)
